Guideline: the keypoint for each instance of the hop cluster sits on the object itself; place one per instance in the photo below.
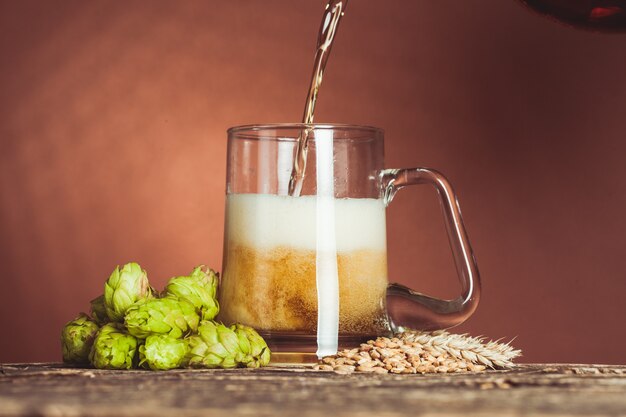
(131, 326)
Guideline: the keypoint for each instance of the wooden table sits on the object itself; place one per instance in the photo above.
(555, 390)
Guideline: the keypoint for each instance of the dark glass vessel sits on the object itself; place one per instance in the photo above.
(595, 15)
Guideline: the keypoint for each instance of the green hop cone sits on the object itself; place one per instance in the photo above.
(125, 287)
(113, 348)
(98, 311)
(215, 346)
(199, 289)
(202, 272)
(168, 316)
(77, 338)
(255, 352)
(162, 352)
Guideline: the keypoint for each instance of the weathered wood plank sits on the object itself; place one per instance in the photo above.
(563, 390)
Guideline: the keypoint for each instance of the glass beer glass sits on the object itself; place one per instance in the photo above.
(309, 272)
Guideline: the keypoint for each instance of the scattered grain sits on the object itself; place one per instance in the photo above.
(422, 352)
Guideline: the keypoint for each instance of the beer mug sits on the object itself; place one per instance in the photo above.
(309, 272)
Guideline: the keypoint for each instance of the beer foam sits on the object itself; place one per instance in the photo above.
(267, 221)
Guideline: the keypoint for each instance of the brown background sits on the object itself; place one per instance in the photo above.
(112, 127)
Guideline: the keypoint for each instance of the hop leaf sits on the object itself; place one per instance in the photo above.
(113, 348)
(162, 352)
(98, 311)
(168, 316)
(199, 289)
(77, 338)
(255, 352)
(215, 346)
(124, 287)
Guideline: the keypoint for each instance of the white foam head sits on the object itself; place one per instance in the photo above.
(266, 221)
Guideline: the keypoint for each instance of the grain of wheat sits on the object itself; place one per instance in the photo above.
(414, 352)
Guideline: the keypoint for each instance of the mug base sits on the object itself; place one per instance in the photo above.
(287, 359)
(293, 348)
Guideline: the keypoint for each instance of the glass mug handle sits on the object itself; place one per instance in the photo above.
(407, 308)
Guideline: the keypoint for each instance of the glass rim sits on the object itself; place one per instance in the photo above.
(303, 126)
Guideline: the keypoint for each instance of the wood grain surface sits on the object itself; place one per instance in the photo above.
(538, 389)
